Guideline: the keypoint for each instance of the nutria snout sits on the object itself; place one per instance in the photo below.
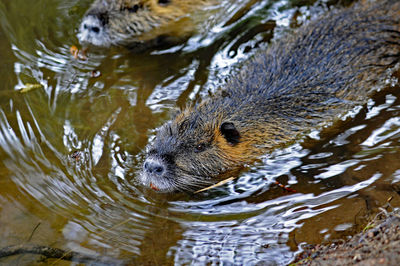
(93, 30)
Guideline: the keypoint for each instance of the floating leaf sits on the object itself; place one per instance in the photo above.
(78, 54)
(74, 51)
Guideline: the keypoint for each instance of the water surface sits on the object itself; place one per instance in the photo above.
(70, 150)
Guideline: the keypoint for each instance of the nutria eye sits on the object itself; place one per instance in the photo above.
(164, 2)
(103, 17)
(200, 147)
(132, 9)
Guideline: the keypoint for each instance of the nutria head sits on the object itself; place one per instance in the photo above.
(199, 145)
(123, 22)
(191, 150)
(181, 159)
(117, 22)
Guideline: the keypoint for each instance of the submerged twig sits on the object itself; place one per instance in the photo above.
(59, 254)
(288, 189)
(33, 231)
(56, 253)
(68, 253)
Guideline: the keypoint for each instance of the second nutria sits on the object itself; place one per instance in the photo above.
(132, 22)
(297, 84)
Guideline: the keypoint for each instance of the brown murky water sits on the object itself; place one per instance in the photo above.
(70, 150)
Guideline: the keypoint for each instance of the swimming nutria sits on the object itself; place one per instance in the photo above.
(299, 83)
(129, 22)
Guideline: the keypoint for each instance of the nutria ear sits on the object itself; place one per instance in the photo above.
(230, 133)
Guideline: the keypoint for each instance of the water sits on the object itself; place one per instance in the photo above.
(70, 150)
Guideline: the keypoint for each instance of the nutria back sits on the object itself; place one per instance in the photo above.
(135, 22)
(300, 83)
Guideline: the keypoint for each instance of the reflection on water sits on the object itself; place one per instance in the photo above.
(70, 150)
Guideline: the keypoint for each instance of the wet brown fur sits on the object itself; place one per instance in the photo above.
(303, 82)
